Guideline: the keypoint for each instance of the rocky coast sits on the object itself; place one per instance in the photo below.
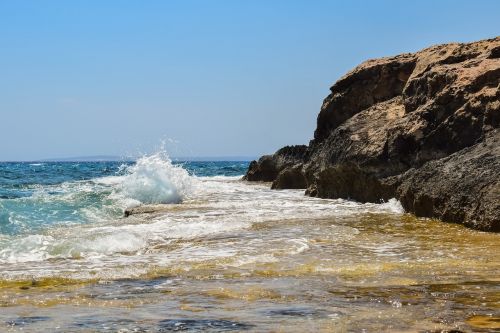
(420, 127)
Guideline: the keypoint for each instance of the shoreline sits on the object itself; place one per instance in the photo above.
(419, 127)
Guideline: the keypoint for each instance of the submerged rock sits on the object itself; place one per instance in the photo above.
(148, 209)
(420, 127)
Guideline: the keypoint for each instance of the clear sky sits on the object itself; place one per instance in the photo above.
(213, 78)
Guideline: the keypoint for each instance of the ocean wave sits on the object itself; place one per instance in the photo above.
(154, 179)
(77, 229)
(37, 207)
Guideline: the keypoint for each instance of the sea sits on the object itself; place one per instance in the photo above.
(219, 254)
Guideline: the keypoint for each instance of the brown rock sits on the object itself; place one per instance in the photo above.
(421, 127)
(291, 177)
(148, 209)
(269, 166)
(463, 187)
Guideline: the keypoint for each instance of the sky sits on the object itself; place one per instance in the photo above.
(200, 78)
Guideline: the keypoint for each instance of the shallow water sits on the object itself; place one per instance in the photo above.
(232, 256)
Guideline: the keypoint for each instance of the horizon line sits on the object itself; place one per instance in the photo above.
(115, 158)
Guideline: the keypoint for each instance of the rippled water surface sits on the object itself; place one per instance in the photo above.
(224, 255)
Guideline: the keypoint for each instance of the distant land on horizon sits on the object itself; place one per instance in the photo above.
(113, 158)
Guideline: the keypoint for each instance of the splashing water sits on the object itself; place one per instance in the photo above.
(154, 179)
(226, 249)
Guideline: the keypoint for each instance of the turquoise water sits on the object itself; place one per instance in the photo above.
(37, 195)
(225, 255)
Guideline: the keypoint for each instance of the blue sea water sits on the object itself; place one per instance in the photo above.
(222, 254)
(38, 195)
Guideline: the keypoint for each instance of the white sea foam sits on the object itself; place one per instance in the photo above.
(154, 179)
(392, 206)
(212, 221)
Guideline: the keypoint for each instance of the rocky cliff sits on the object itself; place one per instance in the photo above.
(421, 127)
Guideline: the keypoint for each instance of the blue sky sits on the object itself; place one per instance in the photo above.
(210, 78)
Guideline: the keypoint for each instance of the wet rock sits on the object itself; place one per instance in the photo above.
(291, 177)
(148, 209)
(298, 312)
(202, 325)
(420, 127)
(463, 187)
(347, 180)
(96, 324)
(268, 167)
(26, 320)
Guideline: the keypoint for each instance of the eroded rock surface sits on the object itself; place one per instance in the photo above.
(420, 127)
(268, 167)
(148, 209)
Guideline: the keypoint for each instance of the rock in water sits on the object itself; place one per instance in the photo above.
(268, 167)
(421, 127)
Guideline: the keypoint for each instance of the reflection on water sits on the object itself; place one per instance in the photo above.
(238, 257)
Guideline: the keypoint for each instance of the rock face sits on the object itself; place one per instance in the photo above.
(463, 187)
(268, 167)
(421, 127)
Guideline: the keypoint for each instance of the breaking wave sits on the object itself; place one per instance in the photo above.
(76, 227)
(154, 180)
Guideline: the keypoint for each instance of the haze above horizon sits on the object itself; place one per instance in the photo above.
(199, 78)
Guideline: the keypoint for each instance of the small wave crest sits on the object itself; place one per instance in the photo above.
(153, 180)
(392, 206)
